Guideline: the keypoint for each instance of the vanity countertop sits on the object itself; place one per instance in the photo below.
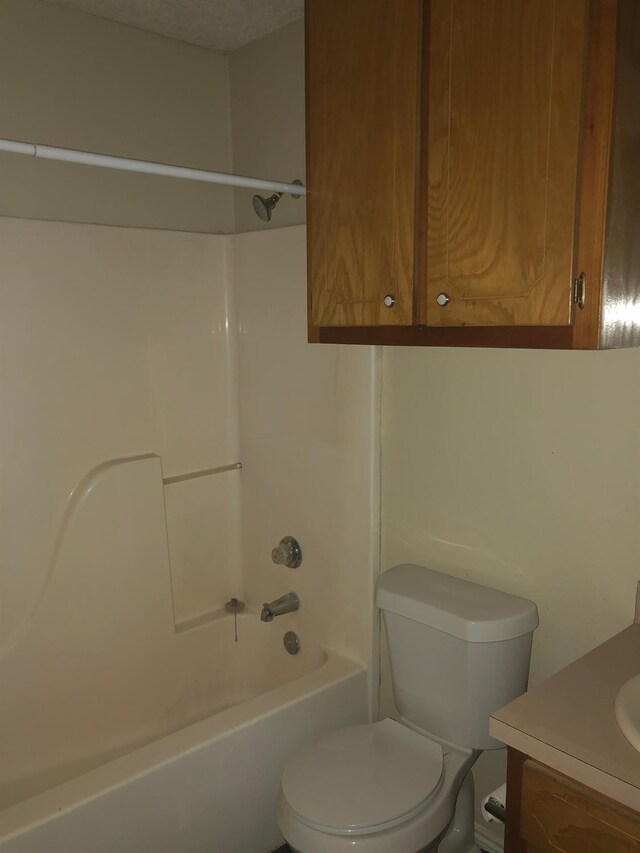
(568, 723)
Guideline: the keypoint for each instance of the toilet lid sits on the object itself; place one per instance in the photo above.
(352, 780)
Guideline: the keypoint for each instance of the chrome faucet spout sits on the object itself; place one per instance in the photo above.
(285, 604)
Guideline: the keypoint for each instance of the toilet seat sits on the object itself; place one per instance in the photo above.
(363, 779)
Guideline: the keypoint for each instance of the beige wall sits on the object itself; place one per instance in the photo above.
(519, 470)
(267, 112)
(80, 81)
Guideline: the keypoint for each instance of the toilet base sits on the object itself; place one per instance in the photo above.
(460, 835)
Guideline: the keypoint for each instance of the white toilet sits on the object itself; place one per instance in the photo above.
(458, 652)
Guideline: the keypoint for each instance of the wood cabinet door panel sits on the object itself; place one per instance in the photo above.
(559, 816)
(505, 86)
(362, 71)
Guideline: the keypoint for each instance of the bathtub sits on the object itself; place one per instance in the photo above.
(210, 785)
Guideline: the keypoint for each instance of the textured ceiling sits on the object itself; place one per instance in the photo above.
(217, 24)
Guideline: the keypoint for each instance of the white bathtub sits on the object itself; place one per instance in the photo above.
(212, 785)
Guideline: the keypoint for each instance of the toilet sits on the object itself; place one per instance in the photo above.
(458, 651)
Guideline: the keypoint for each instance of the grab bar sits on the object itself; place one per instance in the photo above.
(193, 475)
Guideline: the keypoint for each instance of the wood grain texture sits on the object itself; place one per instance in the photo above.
(603, 76)
(362, 59)
(560, 816)
(513, 843)
(505, 100)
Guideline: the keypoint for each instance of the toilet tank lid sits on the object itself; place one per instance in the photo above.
(477, 614)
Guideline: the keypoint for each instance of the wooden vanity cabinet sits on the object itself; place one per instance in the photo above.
(467, 162)
(550, 813)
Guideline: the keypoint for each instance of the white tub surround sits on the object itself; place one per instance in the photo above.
(139, 369)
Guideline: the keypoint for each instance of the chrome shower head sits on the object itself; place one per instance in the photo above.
(264, 206)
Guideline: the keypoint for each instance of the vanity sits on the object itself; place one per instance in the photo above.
(573, 777)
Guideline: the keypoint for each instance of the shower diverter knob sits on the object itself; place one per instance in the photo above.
(287, 553)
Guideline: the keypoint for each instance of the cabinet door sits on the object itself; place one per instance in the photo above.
(362, 71)
(500, 160)
(558, 815)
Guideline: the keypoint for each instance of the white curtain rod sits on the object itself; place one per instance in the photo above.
(86, 158)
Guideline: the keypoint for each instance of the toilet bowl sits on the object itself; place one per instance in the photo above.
(377, 788)
(458, 652)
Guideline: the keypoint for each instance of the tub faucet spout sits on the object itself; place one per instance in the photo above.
(285, 604)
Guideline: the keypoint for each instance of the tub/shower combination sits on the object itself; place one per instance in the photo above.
(130, 719)
(212, 785)
(122, 734)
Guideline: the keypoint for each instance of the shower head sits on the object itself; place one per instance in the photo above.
(264, 206)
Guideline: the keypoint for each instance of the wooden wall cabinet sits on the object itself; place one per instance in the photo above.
(361, 142)
(467, 162)
(550, 813)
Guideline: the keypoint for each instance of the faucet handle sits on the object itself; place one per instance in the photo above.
(287, 553)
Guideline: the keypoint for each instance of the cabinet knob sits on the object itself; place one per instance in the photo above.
(389, 300)
(443, 299)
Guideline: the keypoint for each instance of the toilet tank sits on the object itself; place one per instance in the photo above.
(458, 651)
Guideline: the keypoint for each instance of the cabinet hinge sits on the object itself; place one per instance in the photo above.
(579, 290)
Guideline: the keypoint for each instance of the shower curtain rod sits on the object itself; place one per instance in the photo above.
(105, 161)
